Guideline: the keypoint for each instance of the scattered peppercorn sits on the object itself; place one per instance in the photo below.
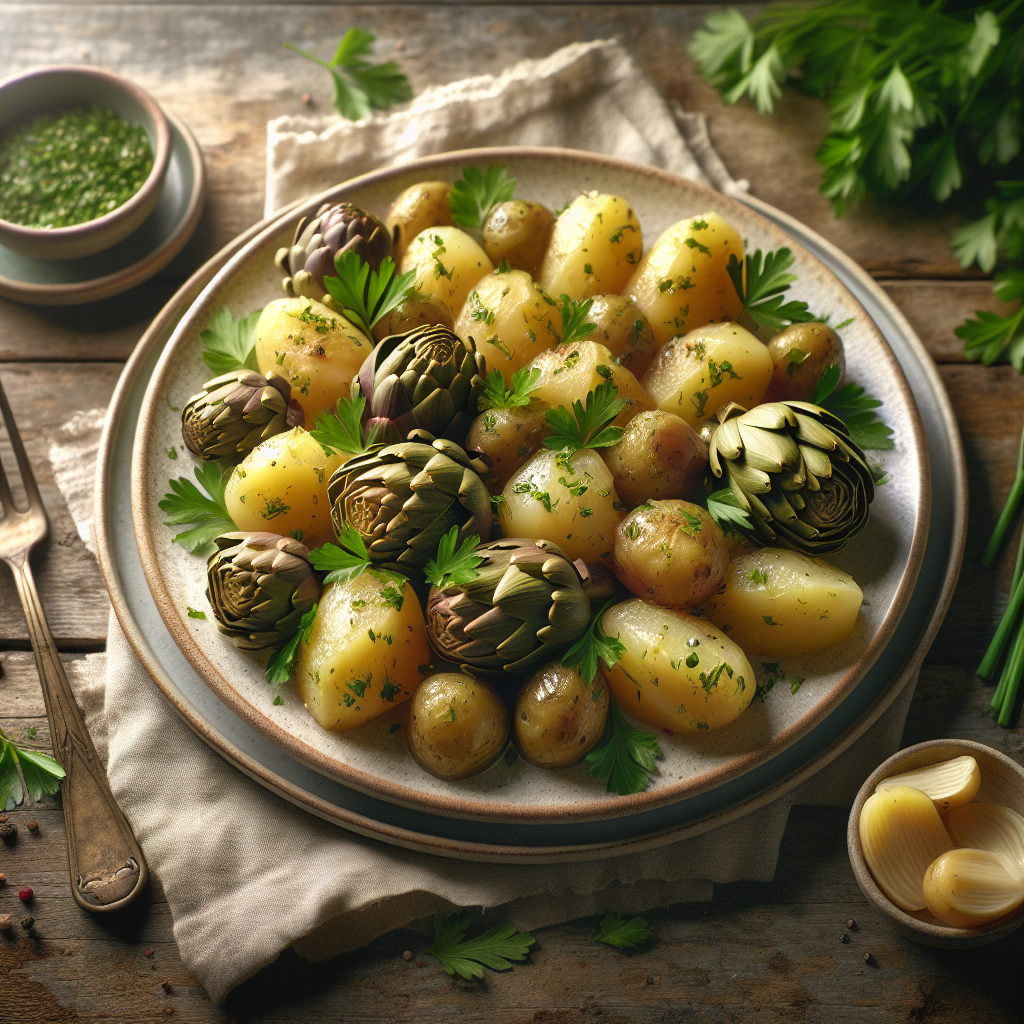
(167, 987)
(148, 952)
(27, 922)
(33, 826)
(844, 937)
(851, 924)
(168, 1010)
(868, 958)
(650, 979)
(407, 955)
(9, 833)
(25, 894)
(6, 922)
(3, 878)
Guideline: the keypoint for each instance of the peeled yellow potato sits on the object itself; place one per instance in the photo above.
(990, 827)
(968, 888)
(317, 351)
(677, 672)
(683, 282)
(780, 603)
(511, 320)
(281, 487)
(949, 784)
(901, 833)
(695, 375)
(447, 263)
(363, 654)
(594, 246)
(569, 372)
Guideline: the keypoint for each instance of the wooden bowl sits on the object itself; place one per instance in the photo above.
(63, 87)
(1002, 782)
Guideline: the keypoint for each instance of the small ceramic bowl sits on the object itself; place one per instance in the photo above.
(63, 87)
(1002, 782)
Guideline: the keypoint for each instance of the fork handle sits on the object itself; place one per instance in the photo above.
(106, 865)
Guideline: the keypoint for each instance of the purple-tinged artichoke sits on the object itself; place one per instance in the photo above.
(259, 586)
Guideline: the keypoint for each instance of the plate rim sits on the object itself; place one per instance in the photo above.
(588, 808)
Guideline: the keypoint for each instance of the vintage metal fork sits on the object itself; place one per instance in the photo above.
(107, 867)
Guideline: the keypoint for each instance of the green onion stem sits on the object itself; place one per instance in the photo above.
(1005, 717)
(1018, 568)
(1012, 668)
(1009, 511)
(995, 648)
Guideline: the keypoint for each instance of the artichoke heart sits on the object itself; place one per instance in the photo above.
(794, 469)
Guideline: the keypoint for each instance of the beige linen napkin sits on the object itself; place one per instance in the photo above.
(218, 842)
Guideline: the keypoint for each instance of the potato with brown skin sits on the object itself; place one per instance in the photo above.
(671, 552)
(457, 726)
(659, 456)
(415, 310)
(508, 437)
(559, 718)
(420, 206)
(623, 330)
(801, 354)
(518, 231)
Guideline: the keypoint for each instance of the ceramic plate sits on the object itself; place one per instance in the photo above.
(138, 257)
(885, 559)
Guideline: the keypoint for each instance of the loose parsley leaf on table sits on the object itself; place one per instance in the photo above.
(594, 646)
(230, 344)
(767, 280)
(42, 773)
(497, 396)
(365, 295)
(473, 195)
(586, 427)
(856, 408)
(455, 563)
(627, 759)
(623, 934)
(341, 430)
(495, 948)
(574, 319)
(359, 86)
(992, 338)
(207, 511)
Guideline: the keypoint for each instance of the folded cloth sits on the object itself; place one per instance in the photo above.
(219, 842)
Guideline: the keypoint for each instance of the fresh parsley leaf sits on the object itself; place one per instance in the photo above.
(282, 661)
(365, 295)
(993, 338)
(767, 279)
(627, 759)
(594, 646)
(195, 613)
(574, 319)
(342, 429)
(725, 508)
(207, 511)
(495, 948)
(350, 560)
(473, 195)
(856, 408)
(230, 344)
(497, 396)
(586, 427)
(359, 86)
(455, 564)
(623, 934)
(42, 773)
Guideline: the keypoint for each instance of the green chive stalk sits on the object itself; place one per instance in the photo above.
(1009, 512)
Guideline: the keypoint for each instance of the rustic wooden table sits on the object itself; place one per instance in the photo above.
(766, 952)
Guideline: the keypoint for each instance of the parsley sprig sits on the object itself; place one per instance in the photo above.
(623, 934)
(627, 760)
(348, 559)
(496, 948)
(341, 430)
(455, 563)
(282, 661)
(365, 295)
(473, 195)
(42, 773)
(725, 508)
(856, 408)
(593, 647)
(586, 427)
(205, 509)
(574, 315)
(993, 338)
(768, 278)
(498, 396)
(230, 344)
(359, 86)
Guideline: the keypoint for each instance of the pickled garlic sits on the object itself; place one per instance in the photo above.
(950, 783)
(990, 827)
(967, 888)
(902, 834)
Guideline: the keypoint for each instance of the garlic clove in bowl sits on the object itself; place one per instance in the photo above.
(968, 888)
(990, 827)
(950, 784)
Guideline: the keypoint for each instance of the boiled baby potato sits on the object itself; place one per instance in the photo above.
(623, 330)
(780, 603)
(659, 456)
(317, 351)
(447, 263)
(508, 437)
(678, 672)
(695, 375)
(457, 725)
(683, 282)
(363, 653)
(517, 232)
(510, 319)
(575, 506)
(421, 206)
(595, 244)
(417, 309)
(801, 354)
(670, 552)
(559, 718)
(570, 372)
(281, 487)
